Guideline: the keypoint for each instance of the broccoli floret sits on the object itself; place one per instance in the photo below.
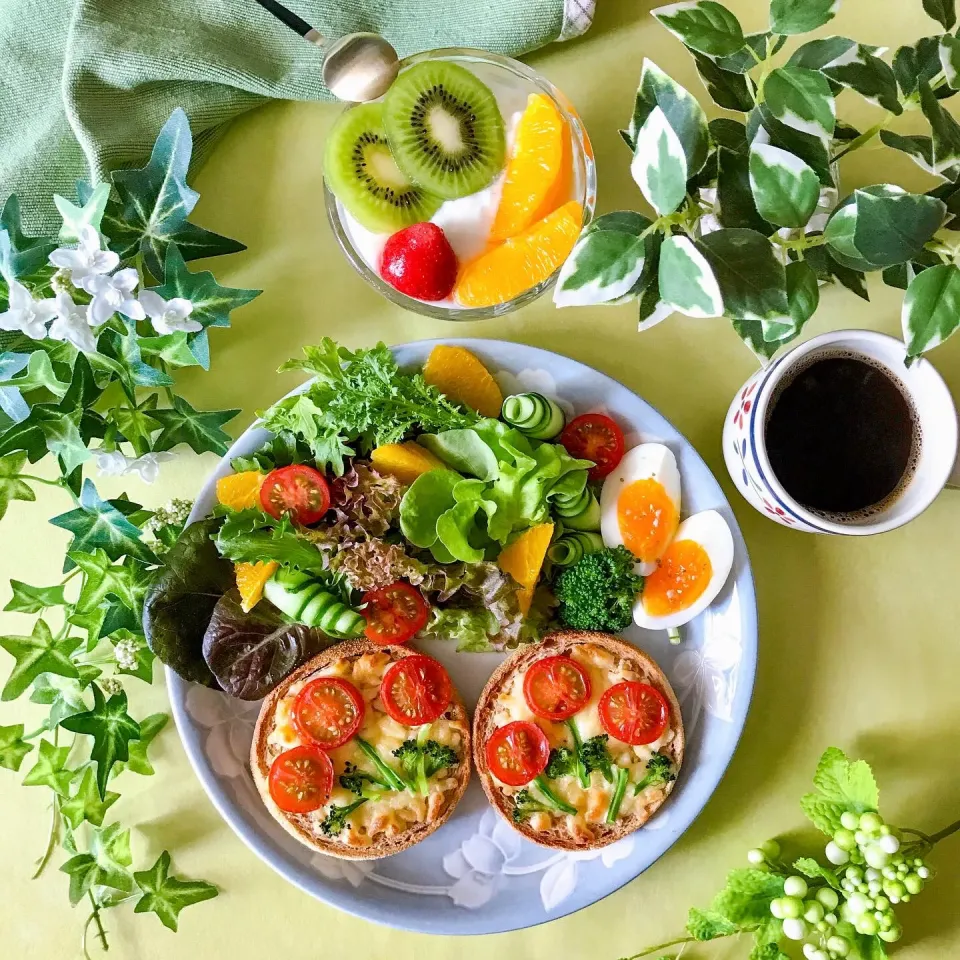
(562, 763)
(336, 820)
(363, 784)
(525, 805)
(595, 756)
(384, 770)
(420, 759)
(598, 592)
(659, 772)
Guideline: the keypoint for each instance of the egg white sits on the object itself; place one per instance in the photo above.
(651, 461)
(712, 532)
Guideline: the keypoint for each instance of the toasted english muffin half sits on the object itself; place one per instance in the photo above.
(607, 661)
(377, 828)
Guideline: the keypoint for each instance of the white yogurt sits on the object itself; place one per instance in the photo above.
(466, 221)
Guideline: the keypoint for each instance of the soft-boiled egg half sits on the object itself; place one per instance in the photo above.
(640, 504)
(690, 574)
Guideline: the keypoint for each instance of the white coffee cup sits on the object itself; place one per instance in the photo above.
(744, 443)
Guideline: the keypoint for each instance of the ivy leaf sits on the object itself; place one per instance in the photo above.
(89, 214)
(86, 804)
(11, 486)
(682, 112)
(172, 348)
(125, 350)
(801, 99)
(931, 309)
(801, 16)
(111, 728)
(943, 11)
(63, 696)
(687, 282)
(212, 303)
(708, 925)
(786, 189)
(704, 25)
(810, 868)
(97, 523)
(23, 254)
(143, 655)
(138, 761)
(50, 770)
(746, 898)
(127, 581)
(28, 599)
(91, 622)
(200, 431)
(106, 865)
(751, 279)
(659, 164)
(166, 896)
(155, 202)
(11, 399)
(62, 437)
(38, 375)
(36, 654)
(727, 89)
(13, 748)
(83, 389)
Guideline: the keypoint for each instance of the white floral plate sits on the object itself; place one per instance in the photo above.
(476, 875)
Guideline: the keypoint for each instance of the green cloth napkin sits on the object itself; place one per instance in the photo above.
(85, 85)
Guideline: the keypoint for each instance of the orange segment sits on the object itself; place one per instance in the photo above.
(250, 580)
(534, 169)
(523, 560)
(521, 262)
(405, 461)
(456, 372)
(238, 491)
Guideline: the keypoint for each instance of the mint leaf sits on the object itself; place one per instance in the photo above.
(111, 728)
(166, 896)
(107, 864)
(767, 951)
(845, 781)
(86, 804)
(810, 868)
(12, 747)
(28, 599)
(50, 770)
(708, 924)
(200, 431)
(36, 654)
(823, 814)
(746, 898)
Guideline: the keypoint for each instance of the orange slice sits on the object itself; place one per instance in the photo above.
(456, 372)
(531, 186)
(405, 461)
(523, 560)
(521, 262)
(238, 491)
(250, 580)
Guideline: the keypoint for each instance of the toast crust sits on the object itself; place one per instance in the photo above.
(295, 824)
(558, 838)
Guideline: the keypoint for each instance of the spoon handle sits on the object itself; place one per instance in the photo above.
(294, 22)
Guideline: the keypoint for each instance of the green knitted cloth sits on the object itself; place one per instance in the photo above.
(85, 85)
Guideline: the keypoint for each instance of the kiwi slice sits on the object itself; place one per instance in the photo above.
(445, 128)
(361, 171)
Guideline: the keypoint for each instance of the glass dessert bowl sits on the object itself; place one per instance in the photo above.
(460, 194)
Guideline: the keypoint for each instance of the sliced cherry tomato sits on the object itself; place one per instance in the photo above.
(517, 752)
(328, 712)
(594, 437)
(301, 779)
(556, 688)
(416, 690)
(634, 712)
(394, 614)
(298, 490)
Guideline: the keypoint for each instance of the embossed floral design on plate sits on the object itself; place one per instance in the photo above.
(476, 875)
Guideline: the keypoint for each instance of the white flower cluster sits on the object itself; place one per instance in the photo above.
(93, 269)
(147, 467)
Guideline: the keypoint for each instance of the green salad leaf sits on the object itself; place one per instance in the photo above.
(251, 535)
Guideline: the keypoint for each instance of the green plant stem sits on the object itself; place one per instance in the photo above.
(864, 137)
(667, 945)
(935, 838)
(52, 838)
(33, 479)
(94, 918)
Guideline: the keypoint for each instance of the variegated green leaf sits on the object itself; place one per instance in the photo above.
(943, 11)
(945, 130)
(785, 188)
(683, 113)
(728, 90)
(816, 54)
(803, 293)
(918, 62)
(840, 232)
(860, 69)
(801, 16)
(659, 164)
(703, 25)
(687, 283)
(754, 51)
(751, 332)
(931, 308)
(735, 205)
(751, 278)
(763, 125)
(949, 50)
(641, 110)
(892, 229)
(802, 100)
(604, 266)
(918, 148)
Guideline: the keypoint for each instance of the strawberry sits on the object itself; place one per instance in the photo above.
(419, 261)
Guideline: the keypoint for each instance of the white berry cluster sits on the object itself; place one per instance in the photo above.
(876, 876)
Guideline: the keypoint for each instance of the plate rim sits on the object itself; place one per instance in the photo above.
(295, 874)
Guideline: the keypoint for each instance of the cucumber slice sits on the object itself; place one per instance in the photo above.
(534, 415)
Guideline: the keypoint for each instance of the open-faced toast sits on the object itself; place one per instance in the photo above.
(651, 768)
(390, 820)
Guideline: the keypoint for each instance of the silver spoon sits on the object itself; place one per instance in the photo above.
(356, 68)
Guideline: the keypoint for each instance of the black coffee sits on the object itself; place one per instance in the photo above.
(842, 436)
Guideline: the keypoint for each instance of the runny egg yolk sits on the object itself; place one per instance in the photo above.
(647, 518)
(684, 573)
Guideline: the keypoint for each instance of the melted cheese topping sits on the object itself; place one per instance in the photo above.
(396, 811)
(605, 670)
